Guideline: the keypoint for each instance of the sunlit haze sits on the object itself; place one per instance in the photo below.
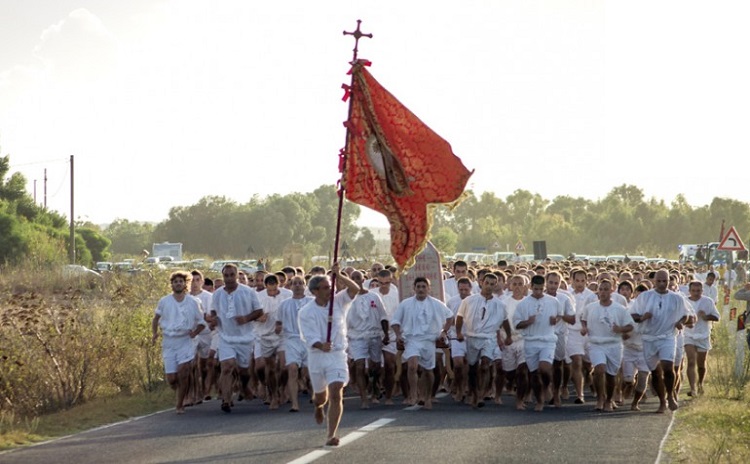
(165, 102)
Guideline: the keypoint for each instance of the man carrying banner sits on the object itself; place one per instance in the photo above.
(327, 363)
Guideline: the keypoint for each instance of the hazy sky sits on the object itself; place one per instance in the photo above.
(164, 102)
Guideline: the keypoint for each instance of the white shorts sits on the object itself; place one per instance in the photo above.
(391, 346)
(497, 353)
(609, 354)
(536, 352)
(477, 348)
(239, 351)
(203, 345)
(577, 344)
(327, 368)
(663, 349)
(266, 348)
(632, 361)
(513, 355)
(295, 352)
(458, 349)
(703, 345)
(423, 349)
(366, 348)
(176, 351)
(215, 341)
(679, 352)
(561, 348)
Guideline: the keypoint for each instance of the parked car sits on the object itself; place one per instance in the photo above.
(103, 266)
(78, 271)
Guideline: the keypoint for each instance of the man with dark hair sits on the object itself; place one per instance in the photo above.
(293, 354)
(458, 348)
(605, 322)
(388, 293)
(450, 287)
(577, 346)
(267, 341)
(418, 323)
(180, 317)
(698, 336)
(203, 345)
(536, 317)
(234, 306)
(711, 290)
(480, 317)
(554, 279)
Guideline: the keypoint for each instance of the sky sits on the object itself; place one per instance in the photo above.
(164, 102)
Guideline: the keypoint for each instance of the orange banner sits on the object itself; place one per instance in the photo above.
(397, 166)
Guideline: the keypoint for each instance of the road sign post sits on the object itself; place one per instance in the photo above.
(732, 242)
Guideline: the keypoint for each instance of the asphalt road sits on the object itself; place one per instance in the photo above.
(450, 433)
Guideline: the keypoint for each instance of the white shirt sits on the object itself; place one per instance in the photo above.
(421, 320)
(363, 320)
(568, 306)
(241, 302)
(702, 329)
(543, 308)
(267, 327)
(205, 298)
(711, 291)
(288, 314)
(453, 304)
(313, 323)
(667, 309)
(510, 310)
(600, 319)
(580, 299)
(178, 318)
(482, 317)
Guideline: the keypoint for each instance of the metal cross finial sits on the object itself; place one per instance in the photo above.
(357, 34)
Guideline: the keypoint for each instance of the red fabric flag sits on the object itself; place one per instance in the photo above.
(398, 166)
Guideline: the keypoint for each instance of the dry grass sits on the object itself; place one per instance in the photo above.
(16, 432)
(715, 427)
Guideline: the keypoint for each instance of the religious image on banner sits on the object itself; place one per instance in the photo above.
(398, 166)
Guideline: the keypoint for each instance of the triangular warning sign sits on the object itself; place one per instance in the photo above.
(731, 241)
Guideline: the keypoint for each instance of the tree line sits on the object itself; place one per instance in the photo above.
(624, 221)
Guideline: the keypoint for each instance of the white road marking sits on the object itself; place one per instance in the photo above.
(350, 437)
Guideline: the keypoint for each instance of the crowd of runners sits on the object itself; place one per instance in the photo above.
(537, 334)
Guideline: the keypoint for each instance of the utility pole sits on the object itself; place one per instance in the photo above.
(72, 221)
(45, 188)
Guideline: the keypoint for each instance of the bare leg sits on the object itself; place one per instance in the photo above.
(692, 363)
(426, 380)
(272, 381)
(361, 378)
(565, 381)
(499, 381)
(389, 371)
(412, 374)
(458, 378)
(557, 377)
(702, 355)
(335, 410)
(576, 371)
(599, 383)
(657, 381)
(522, 385)
(292, 386)
(226, 382)
(669, 383)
